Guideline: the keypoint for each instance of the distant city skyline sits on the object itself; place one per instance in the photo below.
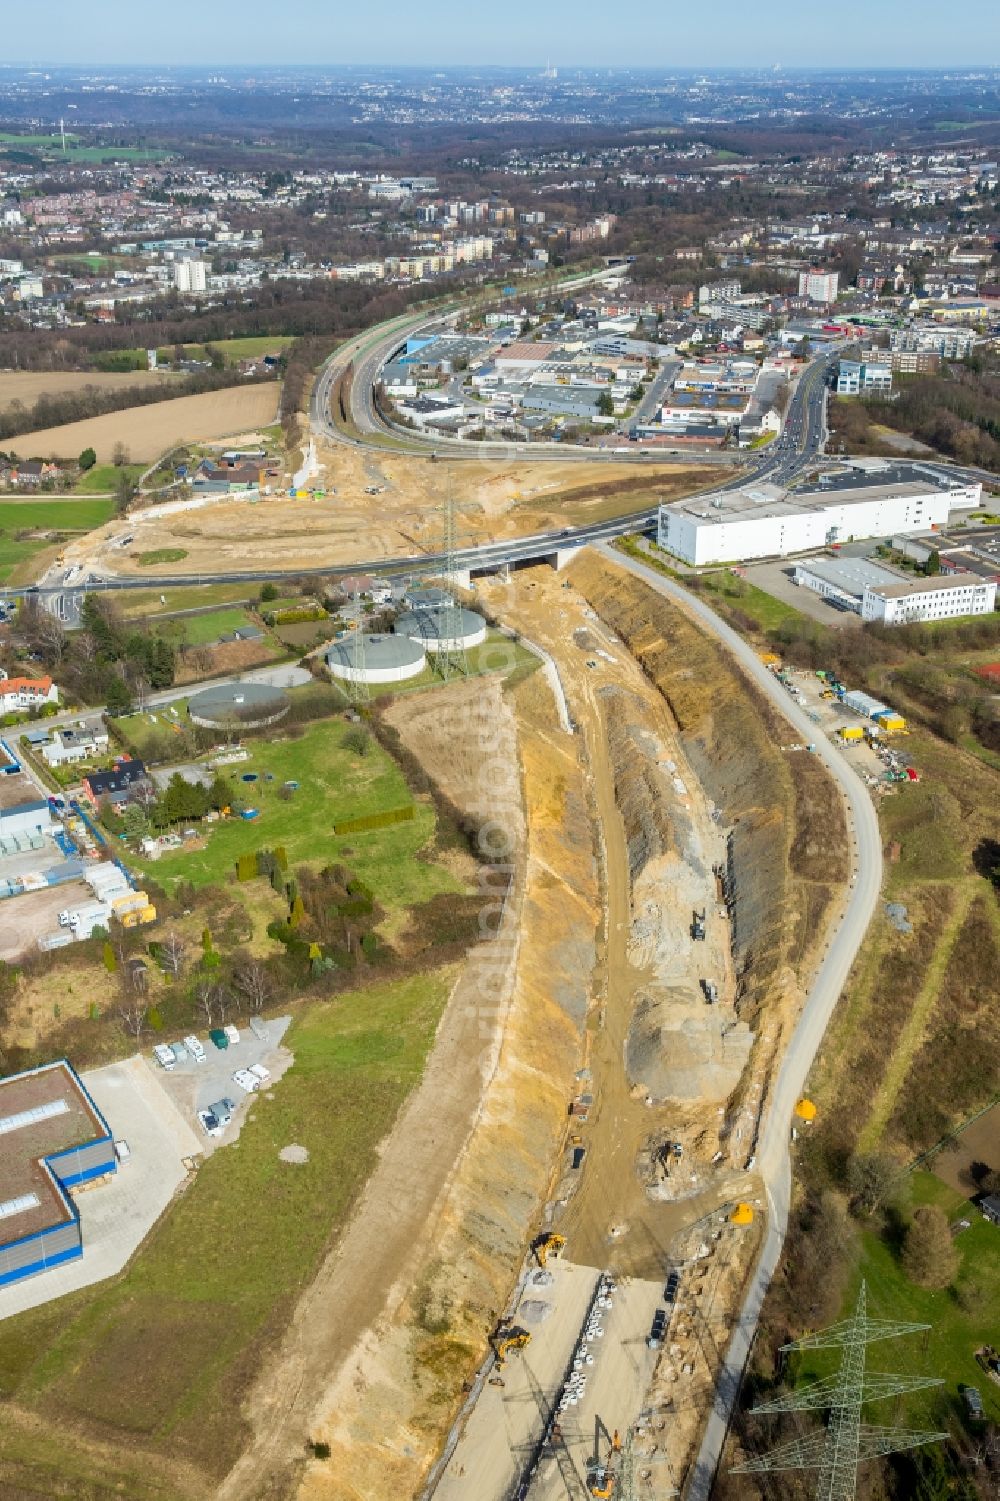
(852, 34)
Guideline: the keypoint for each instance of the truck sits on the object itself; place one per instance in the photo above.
(85, 919)
(698, 925)
(711, 991)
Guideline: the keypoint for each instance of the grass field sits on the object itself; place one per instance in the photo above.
(235, 349)
(43, 515)
(202, 630)
(133, 602)
(149, 431)
(764, 609)
(960, 1319)
(163, 1355)
(335, 783)
(162, 555)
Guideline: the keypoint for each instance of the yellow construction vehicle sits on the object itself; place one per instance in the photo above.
(507, 1337)
(603, 1479)
(548, 1245)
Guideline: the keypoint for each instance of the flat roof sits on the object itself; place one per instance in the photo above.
(937, 585)
(42, 1112)
(769, 500)
(849, 574)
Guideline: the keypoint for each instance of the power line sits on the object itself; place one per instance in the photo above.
(847, 1441)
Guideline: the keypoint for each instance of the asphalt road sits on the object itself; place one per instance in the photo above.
(774, 1144)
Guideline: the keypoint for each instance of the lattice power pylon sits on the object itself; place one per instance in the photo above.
(447, 648)
(357, 684)
(847, 1441)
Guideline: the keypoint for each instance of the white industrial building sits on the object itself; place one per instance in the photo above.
(843, 581)
(857, 376)
(941, 598)
(869, 498)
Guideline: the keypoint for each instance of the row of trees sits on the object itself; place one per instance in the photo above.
(107, 661)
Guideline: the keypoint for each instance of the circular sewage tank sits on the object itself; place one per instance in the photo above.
(386, 659)
(238, 705)
(426, 597)
(447, 630)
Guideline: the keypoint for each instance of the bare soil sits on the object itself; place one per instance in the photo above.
(149, 431)
(26, 386)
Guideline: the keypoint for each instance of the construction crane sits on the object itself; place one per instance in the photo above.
(548, 1245)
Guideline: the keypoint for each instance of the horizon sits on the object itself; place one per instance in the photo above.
(449, 33)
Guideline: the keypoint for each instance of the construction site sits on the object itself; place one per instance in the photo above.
(589, 1212)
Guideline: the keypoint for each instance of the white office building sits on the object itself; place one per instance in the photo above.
(858, 377)
(870, 498)
(944, 598)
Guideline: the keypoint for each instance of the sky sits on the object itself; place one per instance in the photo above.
(652, 33)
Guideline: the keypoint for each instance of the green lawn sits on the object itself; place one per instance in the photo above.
(234, 350)
(163, 555)
(164, 1355)
(43, 515)
(740, 594)
(481, 660)
(186, 597)
(202, 630)
(956, 1331)
(103, 478)
(335, 783)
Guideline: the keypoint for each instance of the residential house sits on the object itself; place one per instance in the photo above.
(117, 786)
(20, 694)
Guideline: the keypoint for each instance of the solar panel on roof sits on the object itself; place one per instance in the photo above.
(32, 1117)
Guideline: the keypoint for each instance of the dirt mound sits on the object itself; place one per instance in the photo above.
(678, 1049)
(638, 793)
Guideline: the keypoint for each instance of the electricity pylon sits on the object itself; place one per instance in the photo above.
(357, 683)
(447, 647)
(847, 1441)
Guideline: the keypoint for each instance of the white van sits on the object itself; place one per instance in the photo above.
(195, 1048)
(164, 1056)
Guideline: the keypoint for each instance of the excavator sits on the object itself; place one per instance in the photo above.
(507, 1337)
(602, 1481)
(548, 1245)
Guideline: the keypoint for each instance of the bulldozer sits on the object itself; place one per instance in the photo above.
(507, 1337)
(549, 1244)
(602, 1481)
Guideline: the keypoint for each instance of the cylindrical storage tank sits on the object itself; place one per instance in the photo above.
(426, 597)
(385, 659)
(238, 705)
(443, 630)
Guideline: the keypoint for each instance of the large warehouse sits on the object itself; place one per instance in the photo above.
(865, 498)
(52, 1137)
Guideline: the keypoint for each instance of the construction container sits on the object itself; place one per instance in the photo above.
(138, 916)
(852, 732)
(863, 703)
(129, 901)
(891, 723)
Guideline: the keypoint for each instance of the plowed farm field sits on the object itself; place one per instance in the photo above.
(149, 431)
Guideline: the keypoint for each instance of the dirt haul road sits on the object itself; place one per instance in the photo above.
(827, 985)
(624, 1207)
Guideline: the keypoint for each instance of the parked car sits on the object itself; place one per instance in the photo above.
(195, 1048)
(122, 1150)
(164, 1056)
(210, 1123)
(247, 1081)
(219, 1038)
(233, 1033)
(179, 1051)
(259, 1072)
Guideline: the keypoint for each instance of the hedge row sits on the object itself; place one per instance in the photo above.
(375, 820)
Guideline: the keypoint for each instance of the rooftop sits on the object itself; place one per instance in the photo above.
(42, 1113)
(852, 575)
(928, 586)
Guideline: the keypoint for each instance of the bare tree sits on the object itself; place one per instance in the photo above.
(253, 983)
(204, 1002)
(133, 1016)
(172, 954)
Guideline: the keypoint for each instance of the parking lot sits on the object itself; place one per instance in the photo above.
(24, 918)
(117, 1215)
(495, 1452)
(194, 1086)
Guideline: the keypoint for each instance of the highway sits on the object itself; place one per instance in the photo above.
(774, 1143)
(799, 445)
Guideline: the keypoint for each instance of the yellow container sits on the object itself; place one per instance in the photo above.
(892, 723)
(852, 732)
